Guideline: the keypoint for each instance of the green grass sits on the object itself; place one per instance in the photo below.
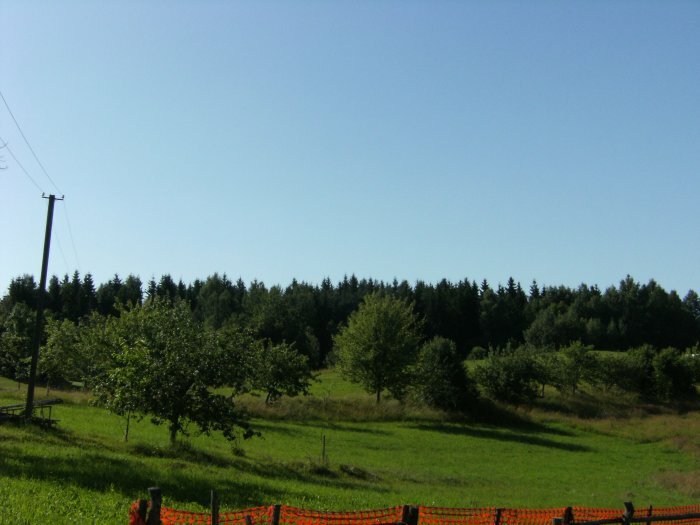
(82, 472)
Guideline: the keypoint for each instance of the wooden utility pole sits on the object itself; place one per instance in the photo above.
(36, 341)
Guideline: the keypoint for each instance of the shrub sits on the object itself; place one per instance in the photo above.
(691, 358)
(673, 377)
(509, 377)
(440, 379)
(575, 364)
(664, 375)
(477, 353)
(614, 370)
(641, 371)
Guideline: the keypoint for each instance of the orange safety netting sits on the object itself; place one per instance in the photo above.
(296, 516)
(258, 516)
(134, 516)
(449, 516)
(671, 511)
(427, 516)
(593, 514)
(530, 516)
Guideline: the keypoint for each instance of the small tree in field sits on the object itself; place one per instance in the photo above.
(378, 344)
(166, 365)
(281, 370)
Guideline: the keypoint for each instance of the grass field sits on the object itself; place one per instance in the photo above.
(83, 472)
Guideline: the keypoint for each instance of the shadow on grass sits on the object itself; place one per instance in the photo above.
(502, 434)
(332, 425)
(487, 412)
(184, 473)
(275, 428)
(300, 471)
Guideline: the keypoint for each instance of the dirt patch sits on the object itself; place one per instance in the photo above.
(687, 483)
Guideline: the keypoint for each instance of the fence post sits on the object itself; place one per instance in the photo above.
(409, 515)
(275, 518)
(650, 511)
(497, 518)
(568, 516)
(143, 509)
(156, 500)
(628, 514)
(415, 515)
(214, 507)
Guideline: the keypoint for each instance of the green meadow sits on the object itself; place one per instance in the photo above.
(376, 456)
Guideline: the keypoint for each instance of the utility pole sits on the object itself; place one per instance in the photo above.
(36, 341)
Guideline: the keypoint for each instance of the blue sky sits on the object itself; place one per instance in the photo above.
(557, 141)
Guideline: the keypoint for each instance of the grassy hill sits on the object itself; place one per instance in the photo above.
(83, 472)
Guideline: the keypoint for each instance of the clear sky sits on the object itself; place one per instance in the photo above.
(557, 141)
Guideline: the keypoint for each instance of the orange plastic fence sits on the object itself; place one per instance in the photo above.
(295, 516)
(532, 516)
(258, 515)
(448, 516)
(427, 516)
(589, 514)
(670, 511)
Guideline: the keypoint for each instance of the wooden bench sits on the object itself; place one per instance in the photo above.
(8, 412)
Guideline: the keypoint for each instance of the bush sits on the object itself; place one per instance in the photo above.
(575, 364)
(509, 377)
(691, 358)
(614, 370)
(440, 379)
(664, 375)
(477, 353)
(641, 372)
(673, 377)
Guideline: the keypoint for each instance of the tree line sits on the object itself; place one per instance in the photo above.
(382, 348)
(308, 315)
(168, 352)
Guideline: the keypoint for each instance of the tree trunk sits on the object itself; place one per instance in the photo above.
(173, 434)
(48, 388)
(379, 395)
(126, 431)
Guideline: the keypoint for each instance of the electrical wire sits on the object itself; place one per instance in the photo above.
(28, 144)
(60, 249)
(70, 234)
(6, 146)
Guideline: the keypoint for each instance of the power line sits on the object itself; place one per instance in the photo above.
(70, 233)
(6, 146)
(28, 144)
(60, 249)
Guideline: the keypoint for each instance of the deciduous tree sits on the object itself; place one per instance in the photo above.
(167, 366)
(378, 344)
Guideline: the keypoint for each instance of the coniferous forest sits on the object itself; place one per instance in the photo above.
(472, 315)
